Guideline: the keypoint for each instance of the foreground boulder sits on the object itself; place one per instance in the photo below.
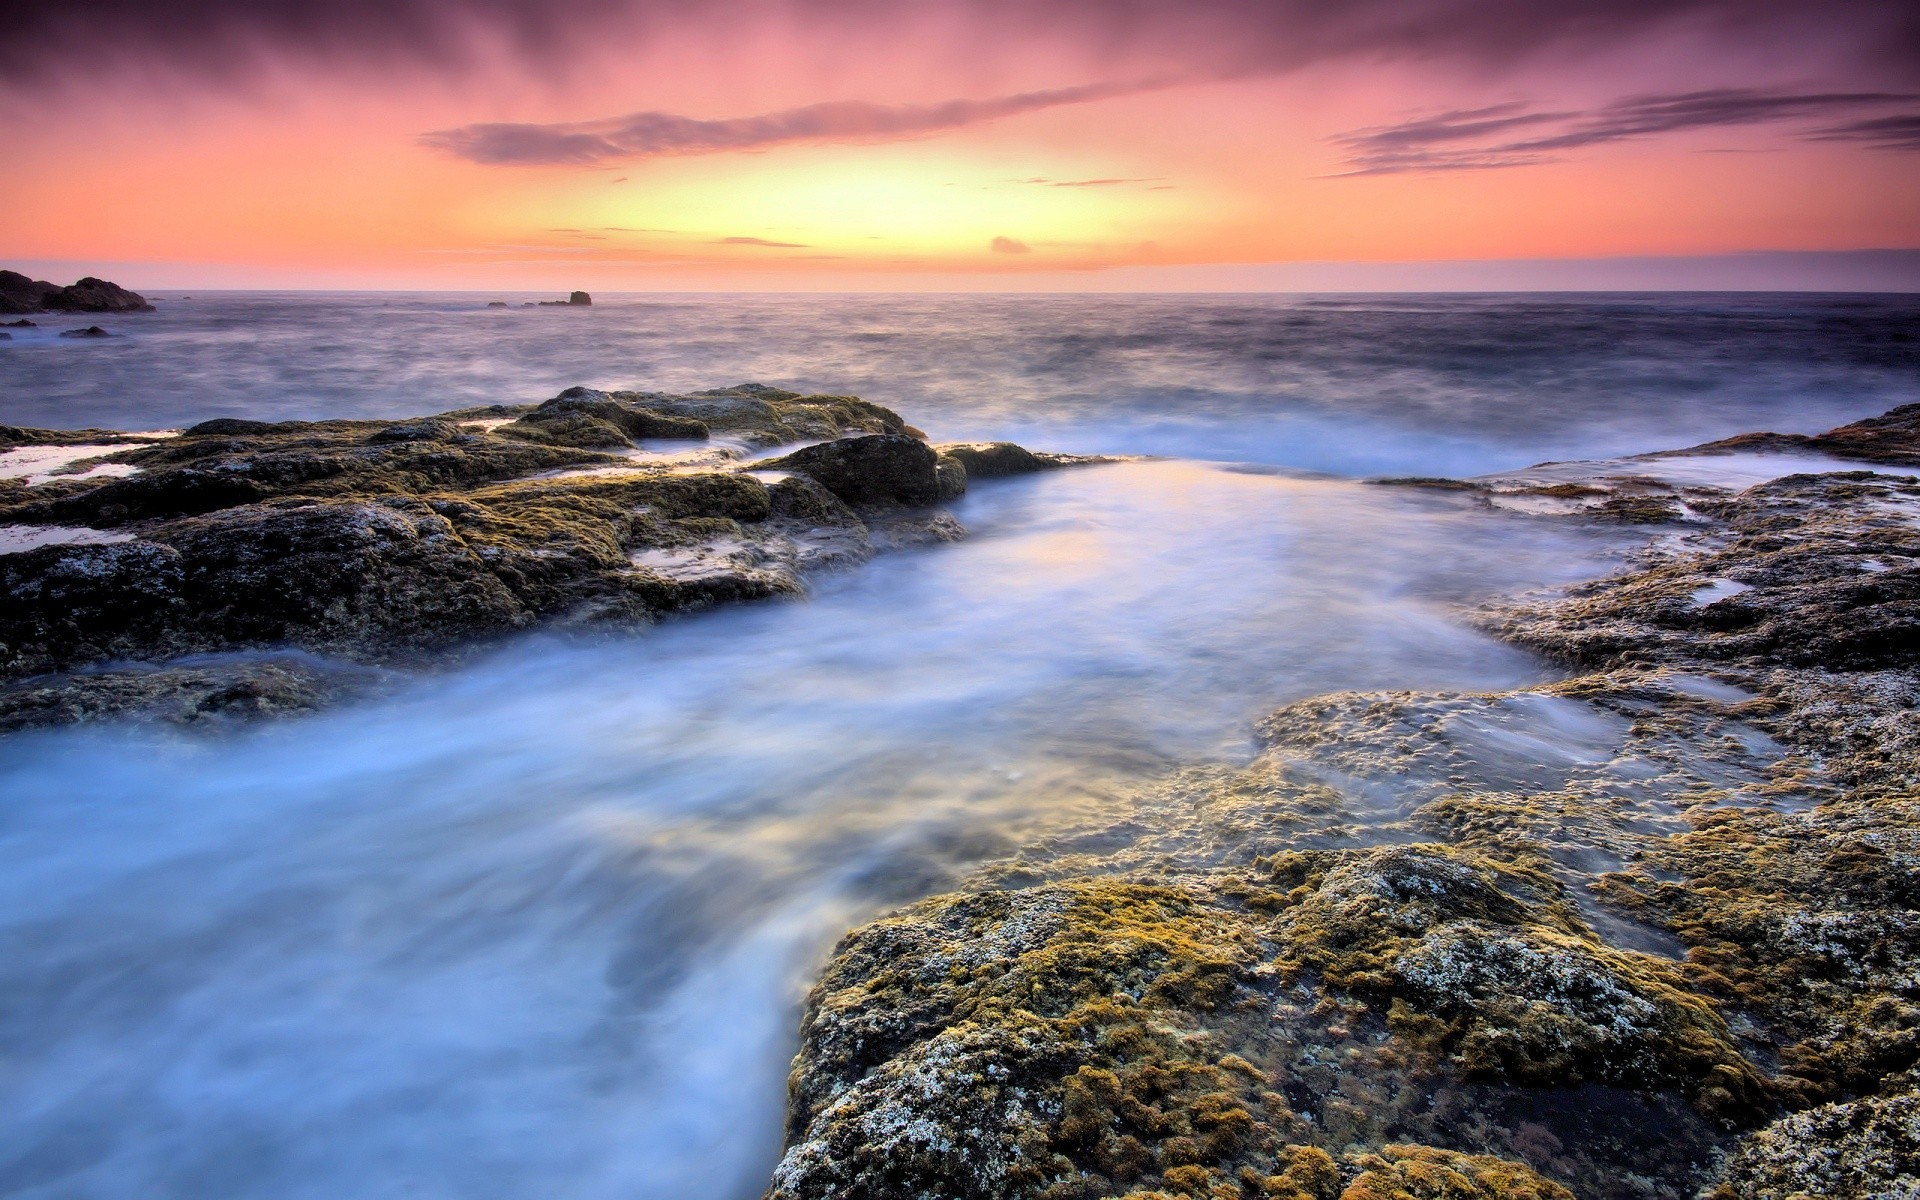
(1648, 932)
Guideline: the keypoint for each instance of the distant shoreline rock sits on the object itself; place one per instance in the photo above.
(19, 294)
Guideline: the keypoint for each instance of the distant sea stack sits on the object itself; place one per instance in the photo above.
(580, 299)
(18, 294)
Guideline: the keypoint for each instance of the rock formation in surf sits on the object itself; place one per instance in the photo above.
(373, 540)
(1650, 931)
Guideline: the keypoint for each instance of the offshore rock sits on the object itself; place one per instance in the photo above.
(19, 294)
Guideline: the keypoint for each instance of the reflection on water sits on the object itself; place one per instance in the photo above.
(539, 926)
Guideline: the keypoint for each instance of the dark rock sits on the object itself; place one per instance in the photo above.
(373, 539)
(496, 304)
(1892, 437)
(97, 295)
(91, 331)
(5, 337)
(950, 478)
(22, 323)
(19, 294)
(576, 300)
(428, 429)
(585, 417)
(993, 460)
(237, 426)
(883, 469)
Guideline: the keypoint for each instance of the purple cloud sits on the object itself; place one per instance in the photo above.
(653, 134)
(1508, 135)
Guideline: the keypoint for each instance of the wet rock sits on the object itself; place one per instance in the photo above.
(22, 323)
(377, 541)
(1667, 948)
(584, 417)
(202, 692)
(496, 304)
(91, 331)
(1892, 437)
(1862, 1150)
(877, 470)
(575, 300)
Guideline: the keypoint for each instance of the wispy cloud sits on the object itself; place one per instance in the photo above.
(1087, 183)
(654, 134)
(1900, 132)
(1007, 245)
(754, 241)
(1512, 135)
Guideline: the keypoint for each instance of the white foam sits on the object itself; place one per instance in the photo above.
(41, 464)
(1717, 590)
(15, 538)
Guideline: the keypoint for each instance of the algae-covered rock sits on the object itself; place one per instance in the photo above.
(1863, 1150)
(1107, 1037)
(373, 540)
(1665, 945)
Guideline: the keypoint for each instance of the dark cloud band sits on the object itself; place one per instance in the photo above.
(74, 40)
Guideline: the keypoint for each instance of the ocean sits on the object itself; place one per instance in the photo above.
(539, 921)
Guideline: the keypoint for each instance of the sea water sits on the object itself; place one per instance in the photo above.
(539, 923)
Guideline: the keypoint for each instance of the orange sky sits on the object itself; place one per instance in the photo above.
(306, 170)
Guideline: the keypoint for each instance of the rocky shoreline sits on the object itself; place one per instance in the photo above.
(206, 572)
(1649, 931)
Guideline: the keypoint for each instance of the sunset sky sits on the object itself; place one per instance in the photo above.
(635, 144)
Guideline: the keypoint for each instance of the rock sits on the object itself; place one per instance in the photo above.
(496, 304)
(96, 295)
(950, 479)
(576, 300)
(993, 460)
(19, 294)
(1665, 949)
(1892, 437)
(583, 416)
(91, 331)
(579, 298)
(1863, 1150)
(5, 337)
(22, 323)
(881, 469)
(378, 540)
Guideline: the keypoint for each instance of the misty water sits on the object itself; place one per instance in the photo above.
(538, 923)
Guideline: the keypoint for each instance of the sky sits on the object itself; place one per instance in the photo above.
(963, 144)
